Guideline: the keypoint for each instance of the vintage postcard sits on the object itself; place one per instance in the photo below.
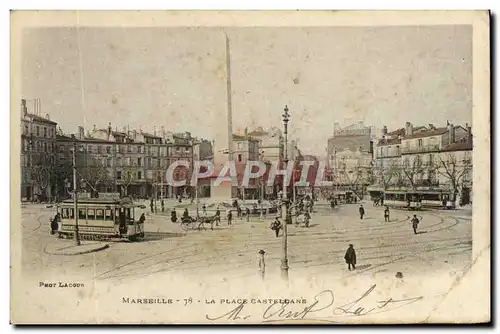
(250, 167)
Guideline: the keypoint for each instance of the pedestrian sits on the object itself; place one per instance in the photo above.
(415, 223)
(247, 212)
(361, 211)
(350, 257)
(204, 208)
(262, 264)
(239, 211)
(217, 217)
(54, 223)
(276, 226)
(173, 216)
(307, 218)
(162, 205)
(386, 214)
(151, 205)
(229, 217)
(185, 215)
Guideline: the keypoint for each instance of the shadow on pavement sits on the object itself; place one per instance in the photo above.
(150, 236)
(363, 266)
(421, 232)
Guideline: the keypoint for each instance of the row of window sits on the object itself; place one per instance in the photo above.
(37, 146)
(47, 133)
(124, 149)
(94, 214)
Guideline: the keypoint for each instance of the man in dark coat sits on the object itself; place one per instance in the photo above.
(350, 257)
(276, 226)
(386, 214)
(361, 211)
(415, 223)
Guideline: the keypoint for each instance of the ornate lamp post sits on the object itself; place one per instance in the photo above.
(261, 154)
(284, 260)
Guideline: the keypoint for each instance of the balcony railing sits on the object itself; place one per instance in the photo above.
(420, 149)
(389, 155)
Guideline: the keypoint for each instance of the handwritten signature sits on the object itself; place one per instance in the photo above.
(322, 301)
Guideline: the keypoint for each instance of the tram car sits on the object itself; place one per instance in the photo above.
(437, 199)
(402, 199)
(101, 219)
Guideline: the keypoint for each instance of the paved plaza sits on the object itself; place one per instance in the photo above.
(444, 242)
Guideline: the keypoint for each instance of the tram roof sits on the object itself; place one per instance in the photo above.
(101, 201)
(434, 191)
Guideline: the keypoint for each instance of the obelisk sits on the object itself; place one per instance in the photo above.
(223, 145)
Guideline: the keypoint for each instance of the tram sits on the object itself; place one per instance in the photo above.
(402, 199)
(417, 199)
(102, 219)
(437, 199)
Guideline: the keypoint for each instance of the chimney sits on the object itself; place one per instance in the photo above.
(451, 133)
(384, 130)
(110, 129)
(162, 131)
(408, 129)
(134, 132)
(81, 132)
(469, 134)
(432, 127)
(246, 133)
(24, 108)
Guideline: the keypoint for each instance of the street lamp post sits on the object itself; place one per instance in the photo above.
(75, 195)
(261, 187)
(284, 260)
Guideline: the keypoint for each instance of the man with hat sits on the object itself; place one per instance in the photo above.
(350, 257)
(276, 226)
(262, 264)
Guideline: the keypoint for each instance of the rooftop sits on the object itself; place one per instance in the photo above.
(40, 119)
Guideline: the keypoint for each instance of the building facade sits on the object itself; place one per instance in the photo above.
(132, 163)
(426, 157)
(349, 153)
(38, 155)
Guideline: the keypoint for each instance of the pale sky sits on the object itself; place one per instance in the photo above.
(175, 77)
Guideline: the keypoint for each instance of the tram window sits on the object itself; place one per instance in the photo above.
(108, 214)
(65, 213)
(71, 213)
(99, 214)
(82, 214)
(91, 214)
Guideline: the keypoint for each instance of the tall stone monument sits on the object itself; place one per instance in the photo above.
(223, 144)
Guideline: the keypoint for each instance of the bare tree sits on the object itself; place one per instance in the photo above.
(384, 175)
(454, 170)
(96, 173)
(411, 170)
(350, 176)
(127, 178)
(40, 177)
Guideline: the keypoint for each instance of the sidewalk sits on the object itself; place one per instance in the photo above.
(72, 250)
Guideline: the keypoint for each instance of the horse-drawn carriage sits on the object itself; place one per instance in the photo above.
(198, 222)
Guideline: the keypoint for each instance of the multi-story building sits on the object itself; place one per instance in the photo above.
(130, 162)
(180, 147)
(426, 157)
(246, 148)
(271, 145)
(38, 148)
(350, 158)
